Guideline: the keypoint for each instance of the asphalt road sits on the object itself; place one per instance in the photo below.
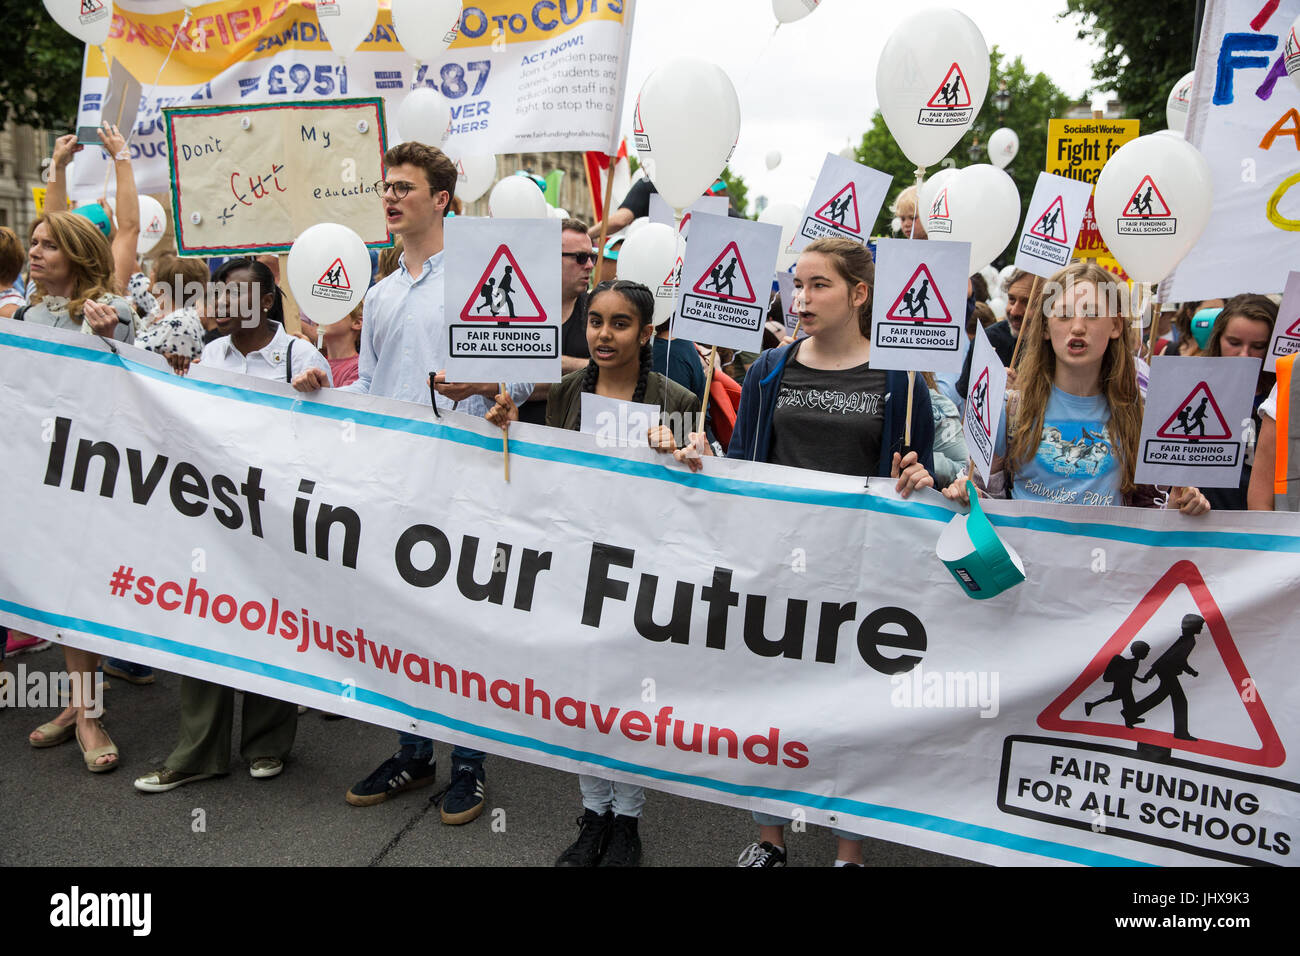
(55, 813)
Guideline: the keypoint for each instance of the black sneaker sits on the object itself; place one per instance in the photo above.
(762, 854)
(624, 847)
(592, 840)
(401, 772)
(463, 800)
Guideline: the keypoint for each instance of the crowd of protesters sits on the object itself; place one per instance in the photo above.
(1074, 361)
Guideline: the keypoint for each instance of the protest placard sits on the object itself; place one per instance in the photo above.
(254, 178)
(519, 77)
(1078, 149)
(725, 285)
(503, 300)
(1197, 420)
(984, 401)
(844, 204)
(1052, 226)
(919, 305)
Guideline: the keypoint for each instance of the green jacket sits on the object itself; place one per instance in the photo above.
(680, 408)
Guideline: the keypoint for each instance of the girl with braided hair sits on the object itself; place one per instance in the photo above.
(620, 323)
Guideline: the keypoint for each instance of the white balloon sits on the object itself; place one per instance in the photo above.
(930, 82)
(517, 197)
(788, 11)
(474, 175)
(1153, 202)
(1003, 146)
(687, 123)
(649, 256)
(1180, 100)
(788, 216)
(329, 272)
(425, 28)
(424, 116)
(153, 225)
(1291, 52)
(90, 26)
(346, 23)
(772, 159)
(983, 209)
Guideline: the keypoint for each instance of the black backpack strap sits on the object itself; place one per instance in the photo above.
(21, 314)
(288, 364)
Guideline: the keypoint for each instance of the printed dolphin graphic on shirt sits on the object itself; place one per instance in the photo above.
(1080, 449)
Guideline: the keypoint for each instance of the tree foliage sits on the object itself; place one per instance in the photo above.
(1034, 99)
(1147, 48)
(40, 85)
(737, 190)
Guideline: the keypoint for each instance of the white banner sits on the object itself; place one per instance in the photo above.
(1243, 118)
(523, 76)
(776, 638)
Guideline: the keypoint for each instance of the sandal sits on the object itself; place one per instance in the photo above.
(90, 756)
(53, 734)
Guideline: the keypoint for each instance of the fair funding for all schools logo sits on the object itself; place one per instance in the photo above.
(333, 283)
(951, 103)
(1147, 213)
(919, 317)
(1195, 434)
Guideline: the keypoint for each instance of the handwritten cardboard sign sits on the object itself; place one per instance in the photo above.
(252, 178)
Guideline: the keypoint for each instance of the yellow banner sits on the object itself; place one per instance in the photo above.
(1078, 149)
(226, 32)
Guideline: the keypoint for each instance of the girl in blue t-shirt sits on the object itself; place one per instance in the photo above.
(1071, 433)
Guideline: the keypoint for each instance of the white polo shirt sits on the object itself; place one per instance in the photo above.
(268, 362)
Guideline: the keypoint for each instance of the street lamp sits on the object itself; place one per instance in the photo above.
(975, 151)
(1002, 98)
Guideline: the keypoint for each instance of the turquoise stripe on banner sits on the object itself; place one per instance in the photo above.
(923, 821)
(856, 501)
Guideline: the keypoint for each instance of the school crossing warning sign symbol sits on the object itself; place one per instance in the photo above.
(638, 128)
(951, 103)
(327, 8)
(724, 294)
(668, 288)
(92, 11)
(1147, 213)
(503, 293)
(1051, 224)
(333, 283)
(841, 211)
(920, 300)
(1124, 662)
(939, 220)
(1197, 416)
(979, 394)
(726, 278)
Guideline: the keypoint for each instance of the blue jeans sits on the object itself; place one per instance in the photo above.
(424, 749)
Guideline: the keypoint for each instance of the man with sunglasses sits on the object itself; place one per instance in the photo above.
(403, 341)
(577, 261)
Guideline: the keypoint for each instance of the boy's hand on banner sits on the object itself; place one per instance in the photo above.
(461, 391)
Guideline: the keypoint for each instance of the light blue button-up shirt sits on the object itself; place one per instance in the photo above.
(404, 341)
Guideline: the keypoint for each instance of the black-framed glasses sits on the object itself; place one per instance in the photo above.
(581, 258)
(400, 189)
